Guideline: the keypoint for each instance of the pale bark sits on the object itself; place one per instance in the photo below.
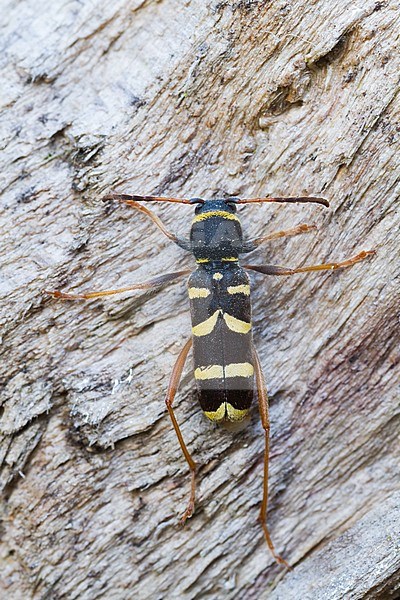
(202, 99)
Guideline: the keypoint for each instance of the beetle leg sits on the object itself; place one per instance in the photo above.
(264, 414)
(133, 201)
(275, 270)
(254, 243)
(169, 399)
(146, 285)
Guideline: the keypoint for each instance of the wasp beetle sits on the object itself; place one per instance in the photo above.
(226, 364)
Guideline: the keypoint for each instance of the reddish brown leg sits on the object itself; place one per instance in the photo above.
(133, 201)
(303, 228)
(263, 406)
(275, 270)
(173, 385)
(146, 285)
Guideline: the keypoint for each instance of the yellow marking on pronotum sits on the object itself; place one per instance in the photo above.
(210, 372)
(239, 370)
(206, 327)
(216, 415)
(200, 261)
(239, 289)
(215, 213)
(236, 414)
(217, 276)
(236, 325)
(195, 292)
(230, 259)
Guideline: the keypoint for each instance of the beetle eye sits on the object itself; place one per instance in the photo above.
(199, 202)
(231, 203)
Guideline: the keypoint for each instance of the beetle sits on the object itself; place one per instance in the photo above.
(226, 364)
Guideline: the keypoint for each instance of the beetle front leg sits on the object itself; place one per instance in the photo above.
(299, 229)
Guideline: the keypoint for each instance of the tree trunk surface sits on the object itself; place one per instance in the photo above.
(197, 99)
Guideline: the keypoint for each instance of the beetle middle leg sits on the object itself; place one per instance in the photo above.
(275, 270)
(169, 399)
(146, 285)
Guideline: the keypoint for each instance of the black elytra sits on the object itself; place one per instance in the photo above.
(219, 292)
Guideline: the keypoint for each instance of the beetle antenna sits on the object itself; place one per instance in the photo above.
(290, 199)
(134, 198)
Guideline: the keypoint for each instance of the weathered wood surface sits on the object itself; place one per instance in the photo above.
(197, 99)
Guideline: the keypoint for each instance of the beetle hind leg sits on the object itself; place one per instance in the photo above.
(264, 414)
(173, 385)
